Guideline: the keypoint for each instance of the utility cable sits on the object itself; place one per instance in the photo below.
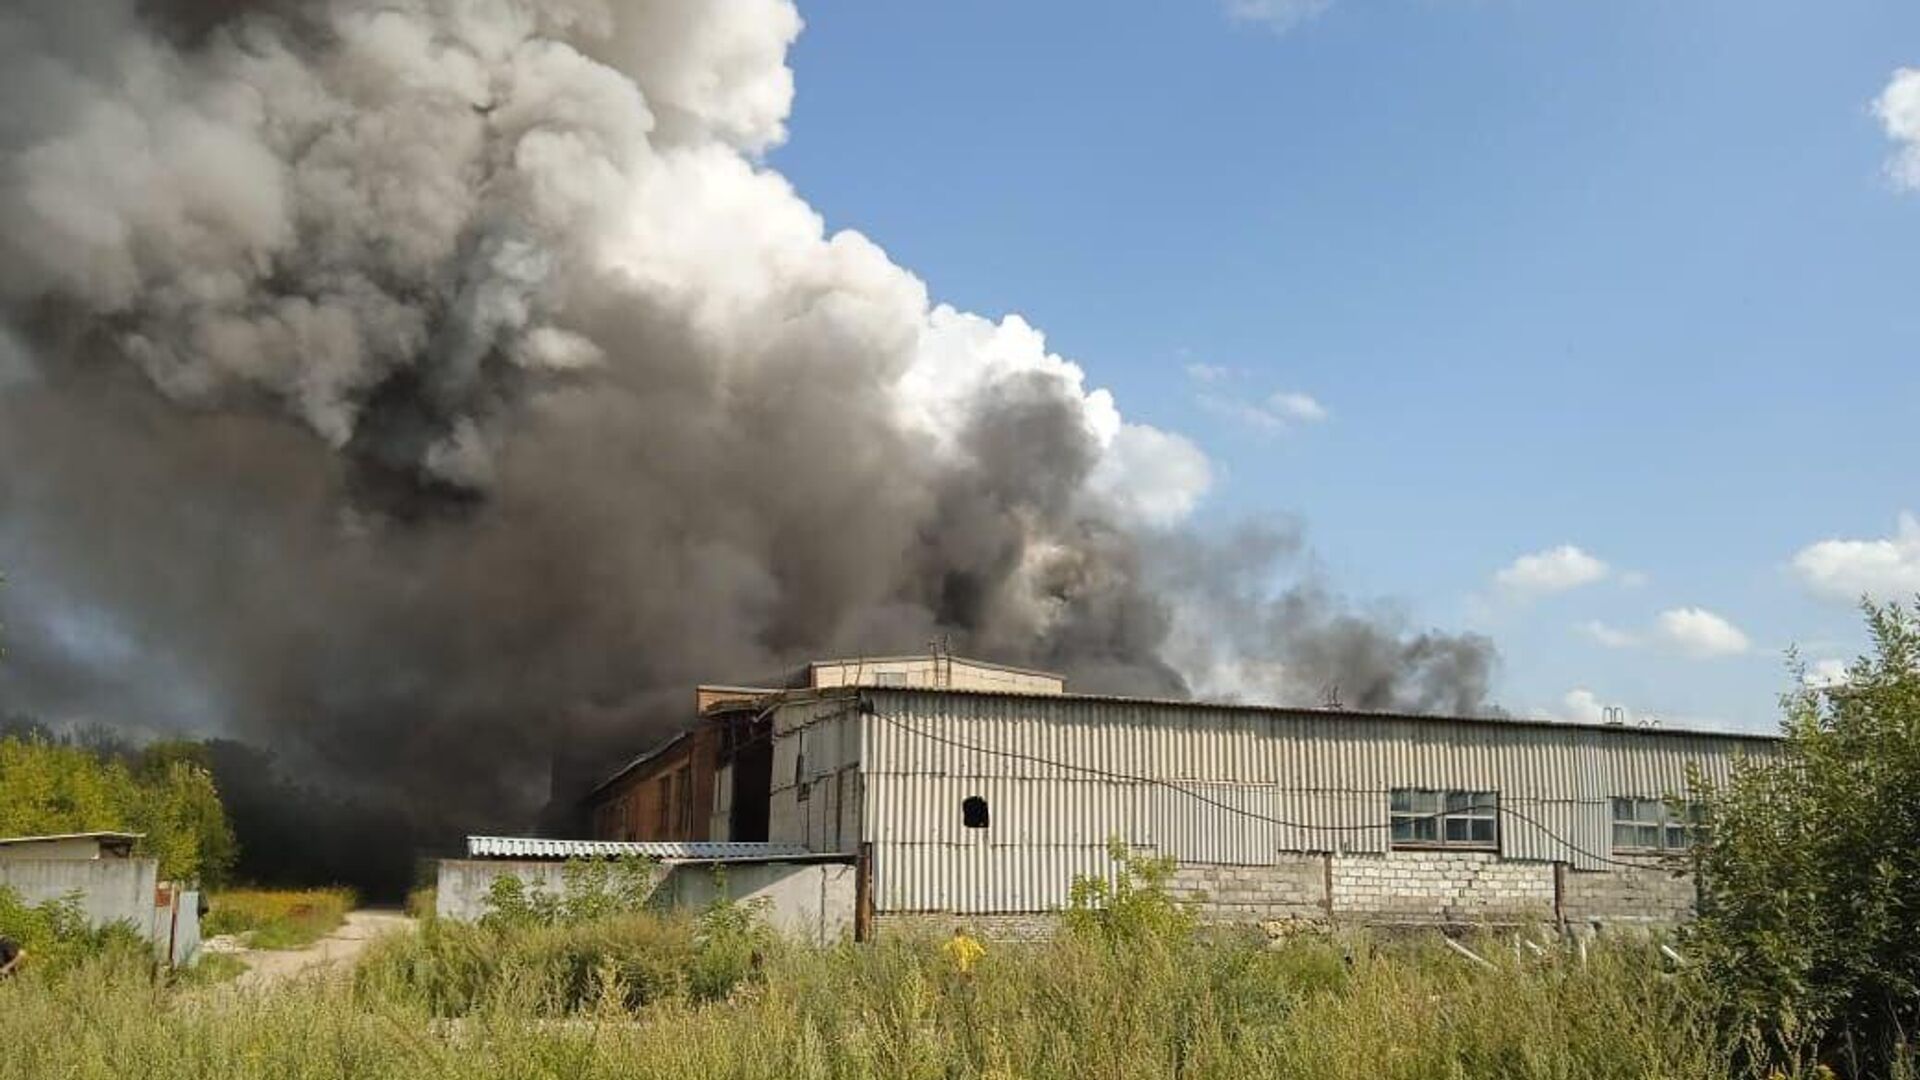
(1500, 806)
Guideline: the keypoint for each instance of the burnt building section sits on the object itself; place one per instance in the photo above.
(715, 779)
(958, 788)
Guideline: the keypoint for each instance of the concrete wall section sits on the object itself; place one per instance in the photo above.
(809, 901)
(461, 891)
(1450, 887)
(1651, 896)
(111, 890)
(812, 902)
(1036, 926)
(1294, 888)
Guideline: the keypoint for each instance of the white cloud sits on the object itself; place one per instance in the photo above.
(1609, 636)
(1279, 16)
(1884, 569)
(1825, 674)
(1700, 633)
(1208, 373)
(1284, 410)
(1584, 706)
(1291, 405)
(1898, 108)
(1551, 571)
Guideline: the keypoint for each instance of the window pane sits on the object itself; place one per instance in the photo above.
(1459, 800)
(1676, 836)
(1459, 830)
(1482, 830)
(1622, 836)
(1646, 836)
(1402, 800)
(1651, 810)
(1623, 809)
(1402, 829)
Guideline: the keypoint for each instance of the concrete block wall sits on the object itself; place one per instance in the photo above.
(1652, 896)
(1456, 888)
(1027, 926)
(1293, 888)
(1441, 887)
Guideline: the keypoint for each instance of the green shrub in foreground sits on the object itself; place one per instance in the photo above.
(56, 934)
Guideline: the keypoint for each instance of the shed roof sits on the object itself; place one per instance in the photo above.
(118, 844)
(672, 851)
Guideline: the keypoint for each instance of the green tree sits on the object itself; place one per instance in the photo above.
(1809, 867)
(48, 787)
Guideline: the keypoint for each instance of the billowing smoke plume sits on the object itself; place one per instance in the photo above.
(387, 381)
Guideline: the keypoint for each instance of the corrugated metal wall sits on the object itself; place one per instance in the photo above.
(815, 784)
(1063, 775)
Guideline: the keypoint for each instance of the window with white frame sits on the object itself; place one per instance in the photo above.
(1652, 825)
(1425, 817)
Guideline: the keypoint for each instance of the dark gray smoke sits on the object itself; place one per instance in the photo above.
(390, 382)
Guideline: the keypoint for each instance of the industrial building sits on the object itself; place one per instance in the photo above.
(957, 787)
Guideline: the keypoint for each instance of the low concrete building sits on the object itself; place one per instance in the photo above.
(806, 896)
(987, 802)
(111, 884)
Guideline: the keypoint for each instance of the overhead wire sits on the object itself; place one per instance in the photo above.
(1501, 805)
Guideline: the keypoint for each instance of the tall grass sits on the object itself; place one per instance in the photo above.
(620, 999)
(277, 918)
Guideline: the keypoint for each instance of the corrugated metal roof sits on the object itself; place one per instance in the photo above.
(530, 847)
(1174, 705)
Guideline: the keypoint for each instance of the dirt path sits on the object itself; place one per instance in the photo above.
(334, 952)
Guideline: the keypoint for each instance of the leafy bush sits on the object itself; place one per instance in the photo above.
(1133, 909)
(731, 941)
(56, 934)
(455, 969)
(1809, 927)
(278, 919)
(590, 890)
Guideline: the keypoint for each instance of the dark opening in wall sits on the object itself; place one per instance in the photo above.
(973, 812)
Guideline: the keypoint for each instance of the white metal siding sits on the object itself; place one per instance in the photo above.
(1062, 775)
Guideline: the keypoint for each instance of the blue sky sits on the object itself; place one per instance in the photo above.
(1634, 277)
